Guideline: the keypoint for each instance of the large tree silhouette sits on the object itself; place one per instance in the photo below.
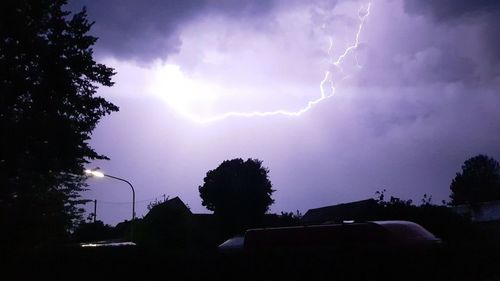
(239, 192)
(48, 109)
(478, 182)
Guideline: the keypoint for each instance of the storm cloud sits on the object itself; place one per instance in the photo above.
(483, 14)
(148, 30)
(417, 97)
(443, 10)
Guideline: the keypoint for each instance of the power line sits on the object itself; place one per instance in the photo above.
(130, 202)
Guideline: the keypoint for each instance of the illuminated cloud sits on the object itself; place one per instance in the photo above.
(425, 98)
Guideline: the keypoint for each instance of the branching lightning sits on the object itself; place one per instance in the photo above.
(328, 81)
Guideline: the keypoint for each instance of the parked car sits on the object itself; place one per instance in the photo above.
(390, 250)
(338, 238)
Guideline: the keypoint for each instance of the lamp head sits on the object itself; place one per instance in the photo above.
(94, 173)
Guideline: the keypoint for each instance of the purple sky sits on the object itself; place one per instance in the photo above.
(417, 97)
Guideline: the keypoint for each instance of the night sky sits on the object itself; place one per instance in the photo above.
(414, 97)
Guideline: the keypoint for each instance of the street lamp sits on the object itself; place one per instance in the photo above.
(99, 174)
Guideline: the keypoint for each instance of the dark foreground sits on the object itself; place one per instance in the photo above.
(476, 260)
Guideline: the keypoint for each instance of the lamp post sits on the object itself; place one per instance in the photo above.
(99, 174)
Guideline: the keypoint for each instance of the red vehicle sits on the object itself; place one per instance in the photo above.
(333, 237)
(346, 249)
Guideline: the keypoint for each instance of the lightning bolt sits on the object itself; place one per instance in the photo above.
(328, 81)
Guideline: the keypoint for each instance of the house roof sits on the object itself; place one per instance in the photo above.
(340, 212)
(173, 205)
(176, 204)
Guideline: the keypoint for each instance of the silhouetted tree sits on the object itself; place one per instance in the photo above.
(239, 192)
(48, 109)
(479, 181)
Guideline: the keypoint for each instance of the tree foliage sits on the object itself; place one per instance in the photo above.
(478, 182)
(239, 192)
(438, 219)
(48, 110)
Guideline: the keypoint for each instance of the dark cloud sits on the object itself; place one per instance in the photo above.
(451, 9)
(483, 13)
(147, 30)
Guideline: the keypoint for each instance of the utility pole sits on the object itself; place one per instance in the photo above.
(95, 210)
